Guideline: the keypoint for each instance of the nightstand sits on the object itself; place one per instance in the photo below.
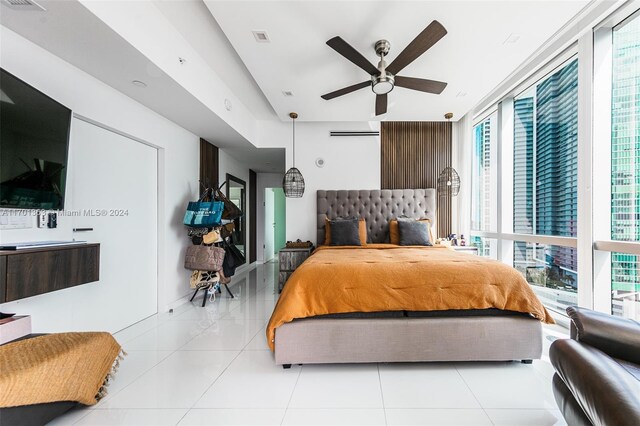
(290, 259)
(466, 249)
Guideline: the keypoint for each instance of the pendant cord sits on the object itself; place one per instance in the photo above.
(294, 142)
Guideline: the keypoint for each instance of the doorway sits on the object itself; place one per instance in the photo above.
(275, 220)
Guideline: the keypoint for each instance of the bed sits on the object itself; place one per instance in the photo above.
(389, 303)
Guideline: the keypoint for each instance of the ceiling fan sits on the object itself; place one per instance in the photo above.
(384, 78)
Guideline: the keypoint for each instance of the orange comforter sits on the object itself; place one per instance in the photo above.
(385, 277)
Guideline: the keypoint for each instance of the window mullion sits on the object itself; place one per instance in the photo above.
(585, 161)
(601, 229)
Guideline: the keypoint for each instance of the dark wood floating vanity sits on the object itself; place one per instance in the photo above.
(29, 272)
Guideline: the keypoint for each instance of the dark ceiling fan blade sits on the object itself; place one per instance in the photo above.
(421, 84)
(381, 104)
(346, 50)
(346, 90)
(427, 38)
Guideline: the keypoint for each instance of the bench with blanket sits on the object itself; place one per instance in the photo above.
(44, 376)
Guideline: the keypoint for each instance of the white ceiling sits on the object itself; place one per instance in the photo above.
(68, 30)
(194, 22)
(473, 57)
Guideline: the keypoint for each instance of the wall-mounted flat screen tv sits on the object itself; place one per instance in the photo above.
(34, 145)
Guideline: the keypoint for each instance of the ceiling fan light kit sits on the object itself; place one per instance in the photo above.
(384, 78)
(382, 83)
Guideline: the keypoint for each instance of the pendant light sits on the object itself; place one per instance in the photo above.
(293, 182)
(449, 179)
(448, 182)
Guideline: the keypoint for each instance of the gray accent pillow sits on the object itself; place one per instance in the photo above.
(413, 233)
(345, 232)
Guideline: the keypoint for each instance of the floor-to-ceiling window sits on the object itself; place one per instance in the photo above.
(564, 144)
(545, 137)
(484, 183)
(625, 166)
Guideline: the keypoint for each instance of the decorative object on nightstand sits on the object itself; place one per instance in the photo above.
(290, 259)
(466, 249)
(299, 244)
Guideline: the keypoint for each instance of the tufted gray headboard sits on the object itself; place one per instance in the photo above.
(377, 207)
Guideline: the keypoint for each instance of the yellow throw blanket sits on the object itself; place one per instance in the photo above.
(385, 277)
(57, 367)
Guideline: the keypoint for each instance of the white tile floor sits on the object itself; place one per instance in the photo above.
(211, 366)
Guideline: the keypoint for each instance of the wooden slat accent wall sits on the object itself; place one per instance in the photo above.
(209, 164)
(413, 155)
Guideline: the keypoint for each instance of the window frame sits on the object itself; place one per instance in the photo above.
(494, 165)
(504, 234)
(603, 244)
(594, 244)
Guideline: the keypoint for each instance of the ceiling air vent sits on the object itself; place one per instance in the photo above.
(354, 133)
(261, 36)
(23, 5)
(287, 93)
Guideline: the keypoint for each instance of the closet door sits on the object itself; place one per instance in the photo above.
(114, 187)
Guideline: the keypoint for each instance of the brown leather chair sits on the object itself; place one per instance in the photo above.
(597, 380)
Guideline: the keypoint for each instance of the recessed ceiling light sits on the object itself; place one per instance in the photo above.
(512, 39)
(287, 93)
(139, 83)
(261, 36)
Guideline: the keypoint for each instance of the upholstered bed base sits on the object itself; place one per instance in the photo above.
(318, 341)
(406, 339)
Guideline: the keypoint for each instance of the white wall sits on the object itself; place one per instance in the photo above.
(178, 150)
(264, 180)
(350, 163)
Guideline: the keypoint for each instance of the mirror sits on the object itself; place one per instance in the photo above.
(236, 192)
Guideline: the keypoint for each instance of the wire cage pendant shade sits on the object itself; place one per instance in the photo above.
(293, 181)
(448, 182)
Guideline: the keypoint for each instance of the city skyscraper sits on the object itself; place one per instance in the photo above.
(482, 197)
(556, 154)
(556, 163)
(545, 182)
(523, 176)
(625, 166)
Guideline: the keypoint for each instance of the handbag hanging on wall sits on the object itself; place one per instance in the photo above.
(232, 259)
(238, 256)
(230, 211)
(204, 258)
(204, 214)
(227, 229)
